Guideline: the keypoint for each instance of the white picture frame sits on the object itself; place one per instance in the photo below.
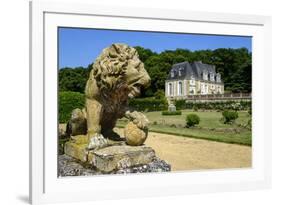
(46, 187)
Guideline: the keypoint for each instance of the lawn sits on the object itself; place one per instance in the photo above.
(210, 127)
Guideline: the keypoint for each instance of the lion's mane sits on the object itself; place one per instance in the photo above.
(109, 69)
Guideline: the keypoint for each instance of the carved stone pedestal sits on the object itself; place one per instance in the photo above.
(115, 158)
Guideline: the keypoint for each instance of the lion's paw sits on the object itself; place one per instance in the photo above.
(141, 120)
(97, 141)
(138, 119)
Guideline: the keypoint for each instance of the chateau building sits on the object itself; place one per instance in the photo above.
(194, 78)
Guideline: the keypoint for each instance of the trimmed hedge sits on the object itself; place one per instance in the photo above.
(67, 102)
(178, 112)
(148, 104)
(229, 116)
(70, 100)
(192, 120)
(226, 105)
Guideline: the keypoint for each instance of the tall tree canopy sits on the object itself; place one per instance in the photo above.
(234, 65)
(73, 79)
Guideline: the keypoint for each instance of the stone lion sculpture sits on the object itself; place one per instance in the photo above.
(117, 75)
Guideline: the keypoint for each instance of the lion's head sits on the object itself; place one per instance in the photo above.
(119, 66)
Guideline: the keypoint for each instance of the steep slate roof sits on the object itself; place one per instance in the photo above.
(194, 69)
(186, 70)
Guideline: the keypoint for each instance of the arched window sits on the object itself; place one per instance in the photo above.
(180, 88)
(170, 89)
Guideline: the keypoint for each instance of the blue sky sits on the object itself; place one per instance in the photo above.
(80, 47)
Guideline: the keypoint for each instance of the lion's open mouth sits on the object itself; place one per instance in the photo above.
(135, 90)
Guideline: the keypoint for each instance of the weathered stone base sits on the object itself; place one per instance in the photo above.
(69, 166)
(115, 158)
(119, 157)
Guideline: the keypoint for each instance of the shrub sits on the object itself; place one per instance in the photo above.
(67, 102)
(195, 108)
(178, 112)
(229, 116)
(192, 120)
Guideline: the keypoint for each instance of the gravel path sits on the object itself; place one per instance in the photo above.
(193, 154)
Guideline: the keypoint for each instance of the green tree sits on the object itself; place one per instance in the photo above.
(73, 79)
(144, 53)
(234, 65)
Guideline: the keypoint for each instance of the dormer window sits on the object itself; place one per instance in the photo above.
(218, 78)
(172, 74)
(180, 72)
(205, 75)
(212, 77)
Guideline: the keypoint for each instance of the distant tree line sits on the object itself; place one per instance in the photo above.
(234, 65)
(73, 79)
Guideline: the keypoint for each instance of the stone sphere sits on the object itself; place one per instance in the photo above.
(134, 136)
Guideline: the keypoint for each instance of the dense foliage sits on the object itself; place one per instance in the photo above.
(68, 101)
(148, 104)
(229, 116)
(73, 79)
(220, 106)
(192, 120)
(177, 112)
(235, 66)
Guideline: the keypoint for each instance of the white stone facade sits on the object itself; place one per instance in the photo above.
(180, 88)
(194, 78)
